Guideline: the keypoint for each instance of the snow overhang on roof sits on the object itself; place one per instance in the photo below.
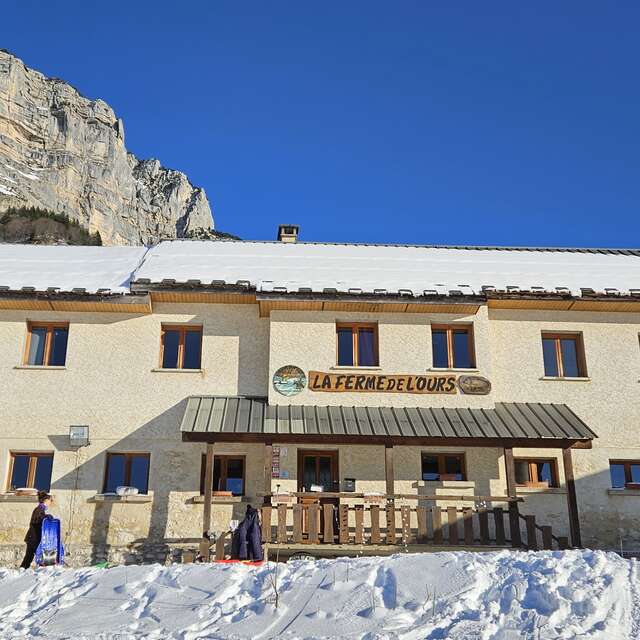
(55, 270)
(274, 268)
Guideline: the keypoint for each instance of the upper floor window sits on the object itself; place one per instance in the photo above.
(30, 470)
(181, 347)
(563, 355)
(452, 347)
(536, 472)
(443, 466)
(127, 470)
(228, 474)
(46, 344)
(624, 473)
(357, 344)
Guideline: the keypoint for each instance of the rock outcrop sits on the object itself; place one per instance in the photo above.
(63, 152)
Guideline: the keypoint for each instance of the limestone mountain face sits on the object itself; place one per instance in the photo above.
(63, 152)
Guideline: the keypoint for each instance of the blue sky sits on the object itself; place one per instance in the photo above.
(429, 122)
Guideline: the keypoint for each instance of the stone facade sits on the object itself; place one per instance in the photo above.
(112, 382)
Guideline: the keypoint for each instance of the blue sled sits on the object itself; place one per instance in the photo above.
(50, 551)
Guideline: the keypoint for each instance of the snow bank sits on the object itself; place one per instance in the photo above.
(503, 595)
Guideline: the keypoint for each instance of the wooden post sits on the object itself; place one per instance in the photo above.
(572, 500)
(532, 534)
(205, 550)
(388, 469)
(514, 515)
(268, 459)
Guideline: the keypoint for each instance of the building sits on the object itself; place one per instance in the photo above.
(359, 394)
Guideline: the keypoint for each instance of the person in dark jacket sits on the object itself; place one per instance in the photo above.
(34, 534)
(247, 538)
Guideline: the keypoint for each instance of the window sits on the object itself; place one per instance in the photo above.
(357, 345)
(181, 347)
(46, 344)
(127, 470)
(536, 472)
(452, 347)
(30, 470)
(443, 466)
(563, 355)
(624, 472)
(228, 474)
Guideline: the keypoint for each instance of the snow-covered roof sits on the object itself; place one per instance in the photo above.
(320, 268)
(411, 270)
(68, 268)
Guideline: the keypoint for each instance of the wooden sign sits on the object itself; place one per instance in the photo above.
(376, 383)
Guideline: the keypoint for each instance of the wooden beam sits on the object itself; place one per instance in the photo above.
(572, 499)
(323, 438)
(514, 515)
(388, 469)
(205, 550)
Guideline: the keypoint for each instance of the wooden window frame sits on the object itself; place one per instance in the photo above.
(224, 461)
(355, 329)
(471, 344)
(127, 467)
(533, 473)
(31, 473)
(441, 455)
(334, 454)
(182, 330)
(557, 336)
(48, 341)
(627, 470)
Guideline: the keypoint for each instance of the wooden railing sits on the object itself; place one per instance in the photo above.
(541, 533)
(390, 522)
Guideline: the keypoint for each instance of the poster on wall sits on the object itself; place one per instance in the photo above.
(275, 461)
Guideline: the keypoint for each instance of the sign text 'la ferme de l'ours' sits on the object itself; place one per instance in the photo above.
(377, 383)
(290, 380)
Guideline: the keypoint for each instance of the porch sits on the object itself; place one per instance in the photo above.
(455, 515)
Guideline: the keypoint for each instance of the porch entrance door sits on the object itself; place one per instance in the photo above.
(318, 472)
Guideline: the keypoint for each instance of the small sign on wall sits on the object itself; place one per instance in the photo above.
(289, 380)
(275, 462)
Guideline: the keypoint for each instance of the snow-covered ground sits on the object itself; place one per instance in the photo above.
(502, 595)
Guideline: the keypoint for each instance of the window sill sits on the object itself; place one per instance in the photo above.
(40, 367)
(456, 484)
(530, 490)
(105, 497)
(453, 370)
(159, 370)
(340, 367)
(557, 379)
(11, 497)
(624, 492)
(219, 499)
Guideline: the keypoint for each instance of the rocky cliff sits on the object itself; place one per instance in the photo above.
(63, 152)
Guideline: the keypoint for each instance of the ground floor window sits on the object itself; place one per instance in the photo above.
(443, 466)
(127, 470)
(624, 472)
(228, 474)
(30, 470)
(536, 472)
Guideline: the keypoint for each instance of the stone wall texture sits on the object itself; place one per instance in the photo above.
(111, 382)
(66, 153)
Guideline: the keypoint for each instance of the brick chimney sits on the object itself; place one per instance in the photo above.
(288, 232)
